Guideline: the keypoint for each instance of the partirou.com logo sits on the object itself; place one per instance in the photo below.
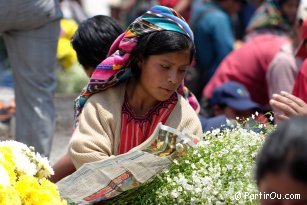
(265, 195)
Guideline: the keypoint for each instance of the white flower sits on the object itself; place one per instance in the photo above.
(188, 187)
(174, 194)
(239, 167)
(27, 161)
(4, 179)
(271, 118)
(44, 168)
(24, 165)
(229, 166)
(216, 131)
(168, 179)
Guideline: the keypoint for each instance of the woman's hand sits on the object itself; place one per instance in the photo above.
(287, 105)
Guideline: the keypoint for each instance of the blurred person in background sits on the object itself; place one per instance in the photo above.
(264, 65)
(287, 104)
(97, 7)
(181, 6)
(30, 30)
(91, 41)
(131, 9)
(230, 101)
(72, 9)
(282, 163)
(241, 21)
(273, 16)
(300, 86)
(214, 39)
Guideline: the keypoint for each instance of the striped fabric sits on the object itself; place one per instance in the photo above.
(115, 68)
(268, 16)
(136, 129)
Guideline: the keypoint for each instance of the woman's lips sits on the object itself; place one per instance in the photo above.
(168, 90)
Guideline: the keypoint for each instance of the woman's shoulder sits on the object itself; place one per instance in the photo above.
(107, 101)
(111, 95)
(184, 116)
(184, 104)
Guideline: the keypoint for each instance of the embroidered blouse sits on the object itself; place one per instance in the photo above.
(136, 129)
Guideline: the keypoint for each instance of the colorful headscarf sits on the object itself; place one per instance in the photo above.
(114, 68)
(268, 16)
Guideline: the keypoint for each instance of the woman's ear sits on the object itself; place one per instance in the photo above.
(140, 61)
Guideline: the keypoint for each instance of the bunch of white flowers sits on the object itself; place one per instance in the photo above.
(219, 170)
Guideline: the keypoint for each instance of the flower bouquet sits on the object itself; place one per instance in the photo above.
(218, 171)
(66, 55)
(24, 177)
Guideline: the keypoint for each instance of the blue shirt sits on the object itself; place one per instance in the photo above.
(213, 35)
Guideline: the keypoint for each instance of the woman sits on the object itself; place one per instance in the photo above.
(281, 167)
(274, 17)
(135, 88)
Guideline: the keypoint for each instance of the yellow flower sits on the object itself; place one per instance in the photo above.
(8, 163)
(37, 192)
(8, 195)
(20, 187)
(66, 55)
(68, 28)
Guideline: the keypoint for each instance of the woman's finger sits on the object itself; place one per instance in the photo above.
(293, 98)
(281, 105)
(281, 117)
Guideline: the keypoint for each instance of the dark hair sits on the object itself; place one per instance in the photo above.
(279, 3)
(285, 151)
(93, 39)
(159, 42)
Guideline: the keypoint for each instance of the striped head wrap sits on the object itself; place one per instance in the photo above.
(268, 16)
(114, 68)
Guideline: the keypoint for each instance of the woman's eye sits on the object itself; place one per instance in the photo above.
(165, 66)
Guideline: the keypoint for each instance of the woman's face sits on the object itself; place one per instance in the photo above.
(162, 74)
(277, 189)
(289, 10)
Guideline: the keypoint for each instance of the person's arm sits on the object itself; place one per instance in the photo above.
(288, 105)
(92, 139)
(281, 73)
(62, 168)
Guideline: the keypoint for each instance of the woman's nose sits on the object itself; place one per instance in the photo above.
(172, 77)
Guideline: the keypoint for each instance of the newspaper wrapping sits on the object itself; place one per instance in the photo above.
(102, 180)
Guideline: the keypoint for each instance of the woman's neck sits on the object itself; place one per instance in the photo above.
(138, 99)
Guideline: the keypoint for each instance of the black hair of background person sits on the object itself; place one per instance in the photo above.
(285, 151)
(157, 43)
(93, 39)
